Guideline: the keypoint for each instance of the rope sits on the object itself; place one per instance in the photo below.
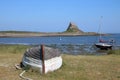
(21, 74)
(25, 78)
(18, 66)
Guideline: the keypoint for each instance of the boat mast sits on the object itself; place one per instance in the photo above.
(99, 30)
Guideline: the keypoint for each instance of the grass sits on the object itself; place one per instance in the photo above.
(106, 67)
(117, 52)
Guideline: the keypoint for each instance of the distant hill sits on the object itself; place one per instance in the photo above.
(72, 28)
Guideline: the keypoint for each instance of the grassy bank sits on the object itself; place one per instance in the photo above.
(79, 67)
(36, 34)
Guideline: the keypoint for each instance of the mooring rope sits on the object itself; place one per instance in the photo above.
(25, 78)
(21, 74)
(18, 66)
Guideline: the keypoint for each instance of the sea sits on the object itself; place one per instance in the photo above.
(67, 44)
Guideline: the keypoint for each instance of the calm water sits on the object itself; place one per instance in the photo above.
(71, 44)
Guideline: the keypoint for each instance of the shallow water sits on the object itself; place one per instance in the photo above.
(69, 45)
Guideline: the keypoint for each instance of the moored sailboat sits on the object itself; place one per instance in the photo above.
(102, 44)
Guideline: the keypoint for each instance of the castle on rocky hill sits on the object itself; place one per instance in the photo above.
(72, 28)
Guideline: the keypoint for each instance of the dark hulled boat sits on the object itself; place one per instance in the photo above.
(103, 46)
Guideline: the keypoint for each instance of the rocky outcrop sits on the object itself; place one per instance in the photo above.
(72, 28)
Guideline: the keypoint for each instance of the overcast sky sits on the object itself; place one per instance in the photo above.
(55, 15)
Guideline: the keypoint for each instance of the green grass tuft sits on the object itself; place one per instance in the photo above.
(14, 49)
(116, 52)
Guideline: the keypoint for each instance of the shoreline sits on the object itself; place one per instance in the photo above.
(44, 34)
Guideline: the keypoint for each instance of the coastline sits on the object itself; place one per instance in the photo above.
(40, 34)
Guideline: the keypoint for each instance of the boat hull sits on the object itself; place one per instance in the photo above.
(103, 46)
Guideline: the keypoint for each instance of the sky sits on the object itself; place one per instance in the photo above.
(55, 15)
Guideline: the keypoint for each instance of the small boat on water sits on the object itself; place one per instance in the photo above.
(102, 44)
